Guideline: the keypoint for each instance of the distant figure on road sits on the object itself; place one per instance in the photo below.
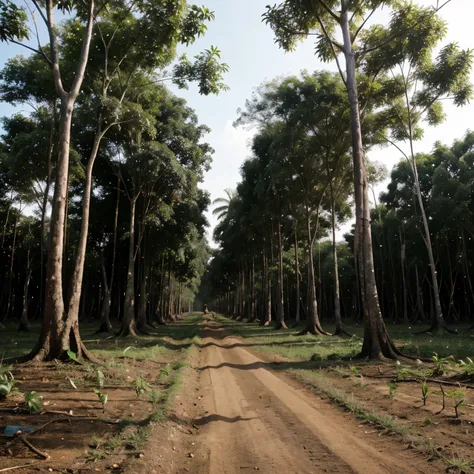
(206, 311)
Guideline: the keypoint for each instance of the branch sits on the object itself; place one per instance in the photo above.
(26, 46)
(326, 34)
(334, 16)
(35, 3)
(362, 25)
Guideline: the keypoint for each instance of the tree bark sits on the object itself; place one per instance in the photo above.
(337, 296)
(78, 273)
(313, 326)
(24, 322)
(280, 323)
(128, 321)
(298, 276)
(377, 342)
(58, 335)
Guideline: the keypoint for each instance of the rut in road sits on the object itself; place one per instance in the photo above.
(252, 419)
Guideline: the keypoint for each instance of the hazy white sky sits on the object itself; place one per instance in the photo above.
(248, 47)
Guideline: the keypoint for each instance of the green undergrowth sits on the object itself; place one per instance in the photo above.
(134, 434)
(286, 343)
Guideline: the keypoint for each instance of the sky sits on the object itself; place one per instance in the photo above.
(247, 46)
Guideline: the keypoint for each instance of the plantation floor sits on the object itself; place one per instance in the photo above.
(78, 435)
(238, 414)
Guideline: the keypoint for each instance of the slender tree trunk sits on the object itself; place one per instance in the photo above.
(24, 322)
(337, 296)
(313, 325)
(10, 276)
(253, 316)
(437, 322)
(280, 323)
(105, 324)
(404, 282)
(45, 202)
(78, 273)
(377, 342)
(141, 318)
(128, 320)
(298, 276)
(268, 317)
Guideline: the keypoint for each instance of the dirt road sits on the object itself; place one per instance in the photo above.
(247, 418)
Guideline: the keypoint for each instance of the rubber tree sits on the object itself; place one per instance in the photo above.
(425, 83)
(331, 20)
(58, 335)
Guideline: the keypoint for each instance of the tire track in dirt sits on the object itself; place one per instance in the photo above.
(256, 420)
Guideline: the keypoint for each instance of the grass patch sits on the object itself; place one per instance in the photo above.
(392, 424)
(286, 343)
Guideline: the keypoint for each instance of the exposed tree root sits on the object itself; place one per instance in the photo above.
(314, 329)
(281, 325)
(267, 322)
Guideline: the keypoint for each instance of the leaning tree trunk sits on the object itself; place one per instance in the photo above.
(24, 322)
(78, 273)
(438, 321)
(377, 342)
(128, 321)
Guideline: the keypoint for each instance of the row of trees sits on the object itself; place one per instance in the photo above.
(301, 182)
(108, 162)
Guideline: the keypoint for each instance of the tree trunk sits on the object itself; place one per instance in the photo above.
(105, 324)
(252, 290)
(337, 296)
(377, 342)
(280, 323)
(313, 326)
(404, 280)
(298, 277)
(141, 317)
(24, 322)
(78, 273)
(58, 335)
(437, 322)
(10, 277)
(45, 201)
(128, 320)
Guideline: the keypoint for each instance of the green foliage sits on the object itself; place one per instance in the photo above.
(8, 384)
(424, 392)
(458, 397)
(13, 22)
(103, 397)
(141, 386)
(392, 389)
(155, 397)
(100, 378)
(72, 356)
(165, 372)
(33, 402)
